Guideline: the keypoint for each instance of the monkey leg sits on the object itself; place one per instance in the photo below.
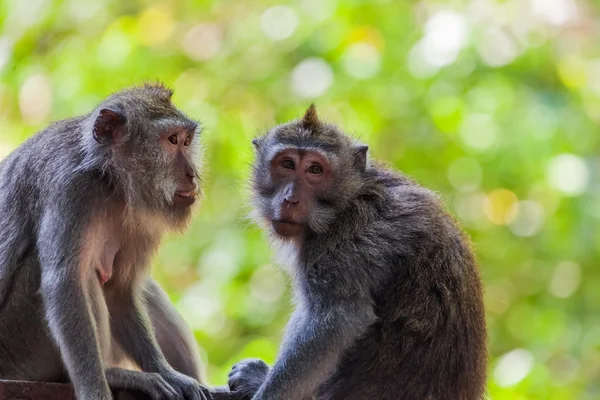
(27, 350)
(174, 336)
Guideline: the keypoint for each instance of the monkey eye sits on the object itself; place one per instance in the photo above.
(188, 141)
(173, 139)
(315, 169)
(287, 164)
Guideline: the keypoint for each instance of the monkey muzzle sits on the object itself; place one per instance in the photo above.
(185, 198)
(287, 228)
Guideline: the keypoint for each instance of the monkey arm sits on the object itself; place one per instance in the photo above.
(314, 341)
(66, 303)
(9, 245)
(14, 241)
(132, 329)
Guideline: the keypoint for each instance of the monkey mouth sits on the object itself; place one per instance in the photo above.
(287, 228)
(287, 221)
(186, 195)
(185, 198)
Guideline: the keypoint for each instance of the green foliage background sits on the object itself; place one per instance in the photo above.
(493, 104)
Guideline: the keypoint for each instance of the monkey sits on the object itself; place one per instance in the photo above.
(388, 296)
(173, 335)
(84, 204)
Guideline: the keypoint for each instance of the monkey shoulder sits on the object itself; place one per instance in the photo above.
(409, 229)
(414, 211)
(430, 246)
(348, 264)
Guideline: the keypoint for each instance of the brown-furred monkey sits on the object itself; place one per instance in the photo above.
(84, 204)
(388, 295)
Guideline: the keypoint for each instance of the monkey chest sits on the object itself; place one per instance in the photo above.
(113, 257)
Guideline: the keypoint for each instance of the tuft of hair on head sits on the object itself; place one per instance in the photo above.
(311, 118)
(159, 90)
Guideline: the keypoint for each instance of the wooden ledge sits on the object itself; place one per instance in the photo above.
(22, 390)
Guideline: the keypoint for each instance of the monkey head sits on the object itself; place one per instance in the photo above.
(305, 173)
(150, 150)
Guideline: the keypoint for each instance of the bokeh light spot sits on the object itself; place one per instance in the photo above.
(267, 284)
(81, 11)
(5, 51)
(418, 64)
(498, 297)
(501, 206)
(465, 174)
(154, 27)
(202, 308)
(319, 10)
(35, 99)
(568, 173)
(219, 264)
(513, 367)
(445, 35)
(478, 131)
(279, 22)
(470, 209)
(565, 279)
(572, 71)
(496, 48)
(555, 12)
(28, 13)
(361, 60)
(529, 218)
(311, 77)
(115, 47)
(202, 42)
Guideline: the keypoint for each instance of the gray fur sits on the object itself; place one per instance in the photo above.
(172, 333)
(388, 295)
(73, 199)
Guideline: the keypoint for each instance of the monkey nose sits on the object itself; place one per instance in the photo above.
(290, 201)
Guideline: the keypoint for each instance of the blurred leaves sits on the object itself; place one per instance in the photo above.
(494, 104)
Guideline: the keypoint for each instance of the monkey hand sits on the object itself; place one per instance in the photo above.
(152, 384)
(247, 376)
(186, 387)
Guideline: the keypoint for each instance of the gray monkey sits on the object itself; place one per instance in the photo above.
(83, 206)
(389, 299)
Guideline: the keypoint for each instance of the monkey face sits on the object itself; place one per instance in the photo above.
(167, 155)
(299, 178)
(176, 144)
(296, 189)
(152, 150)
(305, 173)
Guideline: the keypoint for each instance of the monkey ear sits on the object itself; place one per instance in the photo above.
(360, 157)
(109, 125)
(310, 117)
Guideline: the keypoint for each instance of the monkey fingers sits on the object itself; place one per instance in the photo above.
(187, 388)
(247, 376)
(150, 383)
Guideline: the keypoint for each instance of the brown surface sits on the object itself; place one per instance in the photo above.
(20, 390)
